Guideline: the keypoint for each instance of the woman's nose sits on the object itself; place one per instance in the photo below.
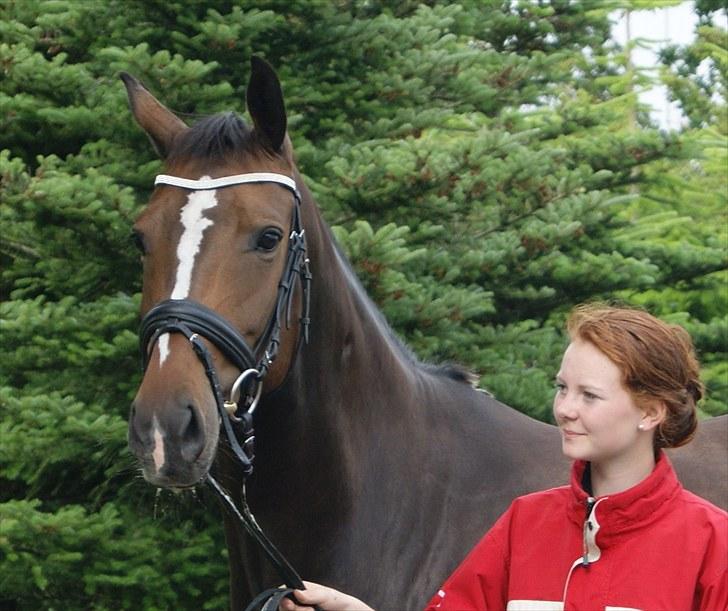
(564, 406)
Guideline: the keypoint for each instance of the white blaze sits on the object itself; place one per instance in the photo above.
(163, 348)
(158, 451)
(194, 223)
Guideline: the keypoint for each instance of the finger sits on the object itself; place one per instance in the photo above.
(288, 604)
(314, 594)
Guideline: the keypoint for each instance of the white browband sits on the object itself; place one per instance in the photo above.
(225, 181)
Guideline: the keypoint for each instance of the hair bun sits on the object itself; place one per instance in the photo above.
(695, 390)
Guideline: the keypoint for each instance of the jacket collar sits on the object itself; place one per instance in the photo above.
(631, 509)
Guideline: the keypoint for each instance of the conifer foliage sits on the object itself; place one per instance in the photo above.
(475, 162)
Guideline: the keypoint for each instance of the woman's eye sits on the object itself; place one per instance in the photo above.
(268, 239)
(589, 396)
(559, 387)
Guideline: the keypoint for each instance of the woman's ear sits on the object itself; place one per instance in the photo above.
(653, 414)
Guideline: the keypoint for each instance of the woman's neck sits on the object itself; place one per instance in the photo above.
(611, 477)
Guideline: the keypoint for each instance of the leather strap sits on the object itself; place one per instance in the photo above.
(289, 575)
(204, 184)
(200, 319)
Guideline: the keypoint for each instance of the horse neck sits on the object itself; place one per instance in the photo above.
(351, 344)
(352, 378)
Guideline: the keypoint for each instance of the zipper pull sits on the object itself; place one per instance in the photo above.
(588, 526)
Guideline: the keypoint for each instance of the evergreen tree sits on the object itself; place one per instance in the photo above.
(475, 161)
(686, 205)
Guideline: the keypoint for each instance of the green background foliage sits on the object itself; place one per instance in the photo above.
(485, 164)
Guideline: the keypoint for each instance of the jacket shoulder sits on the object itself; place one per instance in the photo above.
(694, 503)
(542, 499)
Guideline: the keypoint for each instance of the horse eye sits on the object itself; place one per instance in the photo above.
(268, 239)
(138, 239)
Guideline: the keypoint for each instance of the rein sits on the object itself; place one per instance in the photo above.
(195, 321)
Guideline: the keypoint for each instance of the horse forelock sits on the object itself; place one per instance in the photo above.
(216, 138)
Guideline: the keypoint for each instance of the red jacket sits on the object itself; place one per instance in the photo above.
(654, 546)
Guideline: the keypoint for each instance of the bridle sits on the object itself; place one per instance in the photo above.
(196, 321)
(214, 327)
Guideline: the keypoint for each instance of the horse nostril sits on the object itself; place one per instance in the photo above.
(193, 439)
(137, 439)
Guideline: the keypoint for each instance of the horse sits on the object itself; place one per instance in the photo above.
(375, 473)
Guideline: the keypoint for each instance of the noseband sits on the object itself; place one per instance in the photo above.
(195, 321)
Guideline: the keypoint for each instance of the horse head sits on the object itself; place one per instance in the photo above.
(222, 248)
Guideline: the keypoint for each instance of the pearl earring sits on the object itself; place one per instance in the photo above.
(641, 427)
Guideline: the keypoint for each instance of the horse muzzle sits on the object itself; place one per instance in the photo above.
(174, 438)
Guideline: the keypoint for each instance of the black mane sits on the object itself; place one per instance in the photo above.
(454, 371)
(215, 137)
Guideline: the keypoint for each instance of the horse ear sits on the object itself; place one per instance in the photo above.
(161, 124)
(265, 104)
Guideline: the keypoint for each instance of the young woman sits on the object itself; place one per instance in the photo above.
(623, 534)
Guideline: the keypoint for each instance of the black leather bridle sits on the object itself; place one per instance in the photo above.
(196, 321)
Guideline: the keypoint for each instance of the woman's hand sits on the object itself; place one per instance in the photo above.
(325, 598)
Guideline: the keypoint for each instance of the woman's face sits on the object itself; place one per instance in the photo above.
(595, 412)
